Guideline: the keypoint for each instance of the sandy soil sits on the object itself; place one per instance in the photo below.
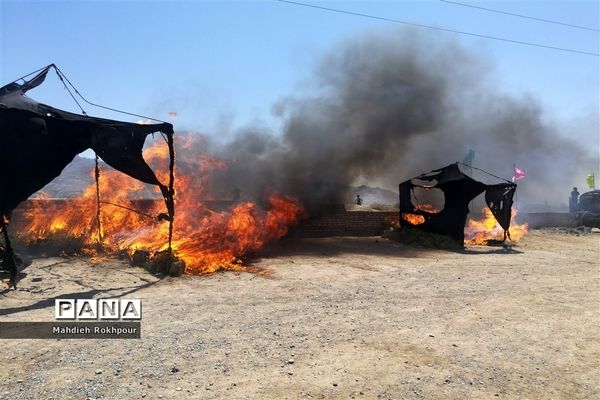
(339, 318)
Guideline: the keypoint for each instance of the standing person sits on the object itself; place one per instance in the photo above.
(235, 194)
(574, 201)
(358, 200)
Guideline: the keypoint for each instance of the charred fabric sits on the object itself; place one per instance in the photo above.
(37, 141)
(458, 189)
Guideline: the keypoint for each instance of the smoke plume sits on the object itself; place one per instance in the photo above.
(388, 106)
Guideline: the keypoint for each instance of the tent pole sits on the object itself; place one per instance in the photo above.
(98, 222)
(171, 204)
(514, 181)
(9, 255)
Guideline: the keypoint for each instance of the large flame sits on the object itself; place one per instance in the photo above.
(487, 228)
(205, 239)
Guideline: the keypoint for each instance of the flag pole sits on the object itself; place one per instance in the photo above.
(515, 182)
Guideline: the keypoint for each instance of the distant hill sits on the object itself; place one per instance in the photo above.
(72, 181)
(77, 176)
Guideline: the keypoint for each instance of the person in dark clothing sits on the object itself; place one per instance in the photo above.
(235, 194)
(358, 200)
(574, 201)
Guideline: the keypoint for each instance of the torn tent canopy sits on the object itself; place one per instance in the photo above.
(458, 189)
(499, 199)
(37, 141)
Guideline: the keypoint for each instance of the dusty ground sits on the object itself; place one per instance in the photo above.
(340, 318)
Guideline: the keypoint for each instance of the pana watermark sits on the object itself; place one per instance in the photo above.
(82, 319)
(93, 309)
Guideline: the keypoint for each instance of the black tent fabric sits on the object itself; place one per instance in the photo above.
(499, 199)
(458, 189)
(37, 142)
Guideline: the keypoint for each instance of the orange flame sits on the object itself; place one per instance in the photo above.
(206, 240)
(416, 219)
(480, 231)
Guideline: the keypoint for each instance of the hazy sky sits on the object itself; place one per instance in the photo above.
(224, 64)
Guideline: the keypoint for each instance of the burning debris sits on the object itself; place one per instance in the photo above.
(487, 230)
(163, 262)
(457, 190)
(205, 239)
(417, 219)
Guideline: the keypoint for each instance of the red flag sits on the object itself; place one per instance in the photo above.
(517, 173)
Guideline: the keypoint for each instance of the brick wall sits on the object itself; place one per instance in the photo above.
(337, 221)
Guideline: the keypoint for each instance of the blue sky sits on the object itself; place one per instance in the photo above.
(224, 64)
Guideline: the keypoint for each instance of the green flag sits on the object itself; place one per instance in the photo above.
(591, 180)
(468, 161)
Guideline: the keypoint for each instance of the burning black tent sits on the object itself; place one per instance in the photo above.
(37, 141)
(458, 190)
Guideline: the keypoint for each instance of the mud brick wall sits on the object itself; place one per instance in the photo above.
(336, 221)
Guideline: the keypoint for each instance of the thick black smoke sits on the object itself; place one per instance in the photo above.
(388, 106)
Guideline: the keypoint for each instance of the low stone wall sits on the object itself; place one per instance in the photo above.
(548, 219)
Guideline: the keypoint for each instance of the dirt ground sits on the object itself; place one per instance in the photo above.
(337, 318)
